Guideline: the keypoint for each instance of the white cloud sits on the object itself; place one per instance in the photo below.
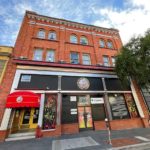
(20, 8)
(131, 21)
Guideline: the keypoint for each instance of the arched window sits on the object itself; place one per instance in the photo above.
(41, 34)
(102, 43)
(52, 35)
(83, 40)
(73, 38)
(109, 44)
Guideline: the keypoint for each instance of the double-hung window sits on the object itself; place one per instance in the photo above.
(86, 59)
(113, 59)
(50, 56)
(52, 35)
(106, 60)
(41, 34)
(74, 56)
(38, 54)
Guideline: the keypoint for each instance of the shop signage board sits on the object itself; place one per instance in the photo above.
(97, 100)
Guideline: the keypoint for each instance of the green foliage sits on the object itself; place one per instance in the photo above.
(134, 60)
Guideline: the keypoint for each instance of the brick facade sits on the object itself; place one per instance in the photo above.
(27, 41)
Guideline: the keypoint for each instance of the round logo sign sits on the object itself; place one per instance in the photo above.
(19, 99)
(83, 83)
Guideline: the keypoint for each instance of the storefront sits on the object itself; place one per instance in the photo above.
(71, 103)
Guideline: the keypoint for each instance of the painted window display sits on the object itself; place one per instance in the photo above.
(49, 117)
(85, 117)
(131, 105)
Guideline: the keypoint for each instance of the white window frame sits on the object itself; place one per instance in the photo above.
(50, 55)
(38, 54)
(41, 34)
(113, 59)
(110, 44)
(106, 63)
(52, 35)
(71, 60)
(86, 61)
(83, 40)
(73, 39)
(102, 43)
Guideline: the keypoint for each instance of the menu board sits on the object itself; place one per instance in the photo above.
(118, 107)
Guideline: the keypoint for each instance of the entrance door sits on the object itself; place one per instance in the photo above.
(29, 118)
(84, 113)
(85, 118)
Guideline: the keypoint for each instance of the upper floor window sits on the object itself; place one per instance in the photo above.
(50, 56)
(74, 56)
(86, 59)
(102, 43)
(73, 39)
(83, 40)
(41, 34)
(52, 35)
(106, 60)
(113, 59)
(110, 44)
(2, 68)
(38, 54)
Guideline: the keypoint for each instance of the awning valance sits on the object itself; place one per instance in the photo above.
(21, 99)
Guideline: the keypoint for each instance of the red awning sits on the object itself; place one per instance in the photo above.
(22, 99)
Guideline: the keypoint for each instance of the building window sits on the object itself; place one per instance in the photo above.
(146, 94)
(118, 106)
(73, 39)
(52, 35)
(41, 34)
(2, 66)
(74, 58)
(113, 59)
(25, 78)
(83, 40)
(86, 59)
(106, 60)
(110, 44)
(102, 43)
(38, 54)
(50, 56)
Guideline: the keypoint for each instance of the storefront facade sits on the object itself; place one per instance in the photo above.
(68, 102)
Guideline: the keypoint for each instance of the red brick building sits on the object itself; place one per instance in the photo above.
(61, 79)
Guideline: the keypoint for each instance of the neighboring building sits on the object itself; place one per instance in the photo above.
(64, 80)
(5, 53)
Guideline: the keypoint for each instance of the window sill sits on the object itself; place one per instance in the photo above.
(45, 39)
(107, 48)
(79, 44)
(48, 130)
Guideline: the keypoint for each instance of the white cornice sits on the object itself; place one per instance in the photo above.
(75, 30)
(72, 24)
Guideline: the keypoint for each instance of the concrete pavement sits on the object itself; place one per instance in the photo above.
(87, 140)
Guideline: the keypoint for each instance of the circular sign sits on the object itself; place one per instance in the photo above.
(83, 83)
(19, 99)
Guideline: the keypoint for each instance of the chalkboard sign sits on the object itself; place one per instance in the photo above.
(118, 106)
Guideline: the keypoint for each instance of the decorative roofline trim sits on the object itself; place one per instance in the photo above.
(71, 23)
(81, 31)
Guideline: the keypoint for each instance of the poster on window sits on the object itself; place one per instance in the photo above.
(49, 116)
(85, 117)
(118, 106)
(131, 105)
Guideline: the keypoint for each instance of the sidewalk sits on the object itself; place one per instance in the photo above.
(88, 140)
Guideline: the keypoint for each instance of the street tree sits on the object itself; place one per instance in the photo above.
(133, 61)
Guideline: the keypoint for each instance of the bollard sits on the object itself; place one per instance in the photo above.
(108, 129)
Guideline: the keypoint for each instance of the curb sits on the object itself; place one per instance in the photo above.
(130, 146)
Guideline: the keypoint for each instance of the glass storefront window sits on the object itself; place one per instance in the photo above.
(49, 117)
(118, 106)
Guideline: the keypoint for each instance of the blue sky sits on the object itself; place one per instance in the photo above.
(131, 17)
